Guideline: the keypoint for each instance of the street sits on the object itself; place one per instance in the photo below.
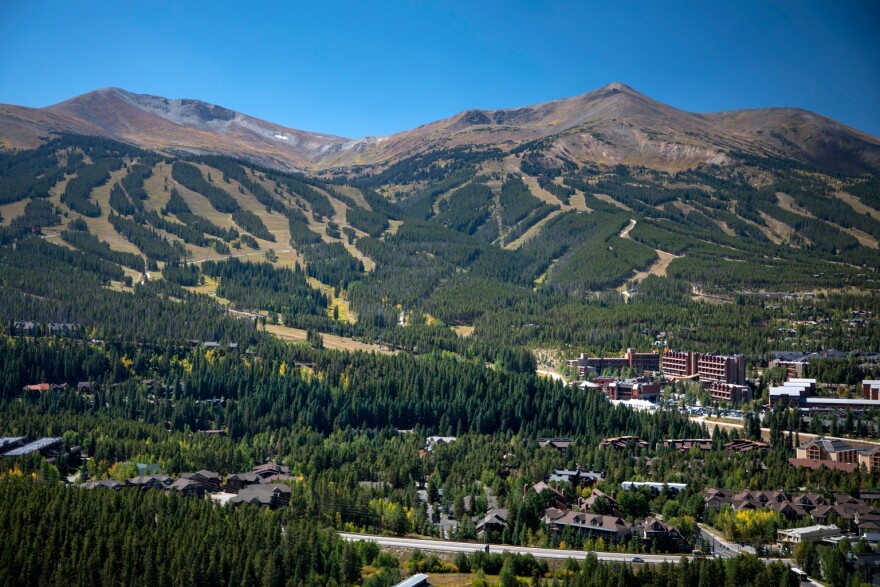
(545, 553)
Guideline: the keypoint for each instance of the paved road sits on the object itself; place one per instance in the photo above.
(546, 553)
(765, 432)
(719, 545)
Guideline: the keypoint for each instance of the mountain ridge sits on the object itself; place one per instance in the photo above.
(610, 125)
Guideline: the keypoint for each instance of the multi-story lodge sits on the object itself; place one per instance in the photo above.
(708, 367)
(640, 362)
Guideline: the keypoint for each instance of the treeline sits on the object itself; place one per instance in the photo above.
(252, 224)
(743, 571)
(32, 173)
(85, 241)
(37, 214)
(148, 241)
(177, 205)
(29, 290)
(261, 286)
(467, 208)
(77, 192)
(133, 182)
(55, 535)
(191, 178)
(517, 202)
(120, 202)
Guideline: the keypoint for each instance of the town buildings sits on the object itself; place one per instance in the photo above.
(851, 514)
(628, 389)
(801, 393)
(621, 442)
(640, 362)
(707, 367)
(722, 376)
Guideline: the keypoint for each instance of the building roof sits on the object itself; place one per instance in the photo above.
(833, 401)
(494, 517)
(245, 477)
(104, 483)
(37, 445)
(611, 524)
(149, 479)
(568, 474)
(745, 445)
(717, 494)
(8, 441)
(419, 580)
(270, 468)
(628, 485)
(184, 484)
(817, 530)
(829, 445)
(555, 442)
(203, 474)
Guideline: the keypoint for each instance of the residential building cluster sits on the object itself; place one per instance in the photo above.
(850, 513)
(580, 520)
(577, 518)
(686, 444)
(263, 485)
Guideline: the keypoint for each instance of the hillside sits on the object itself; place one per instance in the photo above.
(611, 125)
(501, 244)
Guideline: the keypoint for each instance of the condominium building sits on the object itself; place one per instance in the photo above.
(679, 364)
(709, 367)
(730, 392)
(724, 369)
(640, 362)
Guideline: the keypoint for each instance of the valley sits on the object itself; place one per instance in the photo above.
(388, 331)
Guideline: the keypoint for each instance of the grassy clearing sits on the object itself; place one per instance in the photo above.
(345, 312)
(463, 331)
(331, 341)
(100, 226)
(609, 200)
(393, 227)
(10, 211)
(776, 230)
(533, 231)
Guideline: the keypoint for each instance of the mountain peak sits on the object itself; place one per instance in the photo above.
(612, 124)
(620, 87)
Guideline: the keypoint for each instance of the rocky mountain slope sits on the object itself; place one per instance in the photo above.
(611, 125)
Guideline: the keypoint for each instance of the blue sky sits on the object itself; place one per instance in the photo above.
(363, 68)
